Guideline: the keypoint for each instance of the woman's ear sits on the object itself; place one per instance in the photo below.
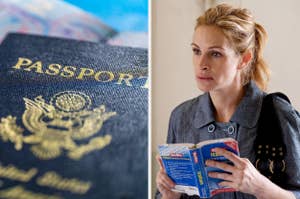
(245, 59)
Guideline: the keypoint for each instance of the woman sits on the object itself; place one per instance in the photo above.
(230, 70)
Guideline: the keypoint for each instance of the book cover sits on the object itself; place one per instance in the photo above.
(73, 119)
(185, 165)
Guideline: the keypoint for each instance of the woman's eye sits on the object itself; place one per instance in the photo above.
(216, 54)
(196, 51)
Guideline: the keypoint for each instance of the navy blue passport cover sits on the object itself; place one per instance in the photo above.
(73, 119)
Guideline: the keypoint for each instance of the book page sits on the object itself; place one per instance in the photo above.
(207, 142)
(189, 145)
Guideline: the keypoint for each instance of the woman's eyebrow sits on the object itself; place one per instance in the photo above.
(193, 44)
(211, 47)
(216, 46)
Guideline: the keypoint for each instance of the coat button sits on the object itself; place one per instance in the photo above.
(211, 128)
(230, 130)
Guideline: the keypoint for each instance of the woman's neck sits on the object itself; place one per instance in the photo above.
(226, 102)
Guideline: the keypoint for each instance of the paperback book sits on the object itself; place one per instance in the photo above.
(185, 165)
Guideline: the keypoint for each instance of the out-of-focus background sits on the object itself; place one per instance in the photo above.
(124, 15)
(116, 22)
(172, 73)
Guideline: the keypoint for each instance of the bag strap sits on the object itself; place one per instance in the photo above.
(269, 147)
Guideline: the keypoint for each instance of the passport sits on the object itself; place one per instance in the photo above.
(73, 119)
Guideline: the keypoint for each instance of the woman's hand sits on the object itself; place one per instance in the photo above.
(245, 177)
(164, 183)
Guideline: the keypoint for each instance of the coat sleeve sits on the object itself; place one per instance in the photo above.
(171, 138)
(174, 121)
(289, 120)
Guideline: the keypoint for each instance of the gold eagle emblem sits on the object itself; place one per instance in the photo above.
(56, 126)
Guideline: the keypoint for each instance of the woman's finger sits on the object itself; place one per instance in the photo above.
(159, 161)
(164, 179)
(221, 165)
(162, 189)
(230, 185)
(236, 160)
(223, 176)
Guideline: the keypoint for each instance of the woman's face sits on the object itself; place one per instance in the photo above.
(216, 64)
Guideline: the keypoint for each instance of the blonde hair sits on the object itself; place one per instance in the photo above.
(245, 34)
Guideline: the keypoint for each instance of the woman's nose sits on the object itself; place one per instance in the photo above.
(203, 63)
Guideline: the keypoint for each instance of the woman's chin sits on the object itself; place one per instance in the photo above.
(204, 88)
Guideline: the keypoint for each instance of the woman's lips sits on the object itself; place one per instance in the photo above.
(204, 78)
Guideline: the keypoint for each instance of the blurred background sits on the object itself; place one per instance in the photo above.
(116, 22)
(124, 15)
(172, 70)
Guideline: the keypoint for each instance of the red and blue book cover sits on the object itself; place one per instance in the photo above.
(185, 165)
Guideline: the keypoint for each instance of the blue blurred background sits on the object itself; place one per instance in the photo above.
(122, 15)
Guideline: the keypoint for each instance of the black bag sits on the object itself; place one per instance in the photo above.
(269, 145)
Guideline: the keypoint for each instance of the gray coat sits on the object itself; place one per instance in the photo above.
(193, 121)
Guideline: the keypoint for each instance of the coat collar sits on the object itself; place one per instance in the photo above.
(246, 114)
(205, 111)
